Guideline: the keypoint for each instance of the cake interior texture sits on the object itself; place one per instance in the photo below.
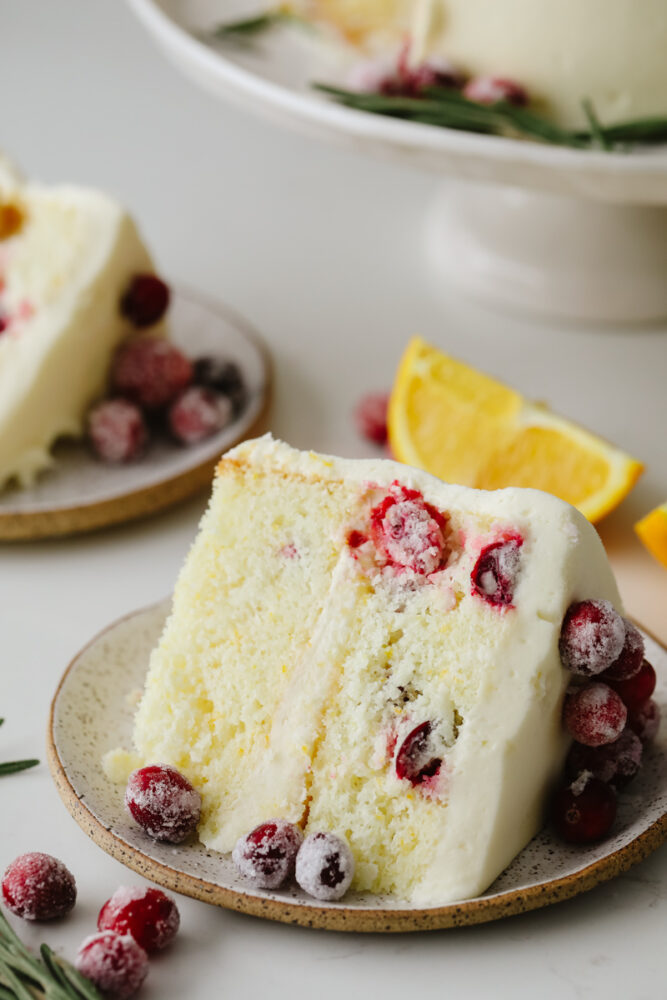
(358, 647)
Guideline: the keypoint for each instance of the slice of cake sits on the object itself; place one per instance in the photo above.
(67, 255)
(358, 647)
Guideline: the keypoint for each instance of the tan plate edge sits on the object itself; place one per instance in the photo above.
(150, 499)
(341, 918)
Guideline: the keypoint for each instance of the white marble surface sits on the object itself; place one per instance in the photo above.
(324, 252)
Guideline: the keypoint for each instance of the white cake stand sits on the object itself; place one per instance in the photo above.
(568, 233)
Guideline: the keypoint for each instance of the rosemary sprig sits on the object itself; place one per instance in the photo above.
(25, 977)
(12, 766)
(248, 27)
(448, 108)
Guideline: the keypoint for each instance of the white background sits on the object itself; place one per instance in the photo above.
(324, 252)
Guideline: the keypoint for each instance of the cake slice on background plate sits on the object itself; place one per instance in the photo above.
(358, 647)
(67, 258)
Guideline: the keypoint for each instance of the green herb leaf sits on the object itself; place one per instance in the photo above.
(12, 766)
(248, 27)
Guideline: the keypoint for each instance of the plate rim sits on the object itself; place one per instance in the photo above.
(143, 501)
(165, 28)
(338, 917)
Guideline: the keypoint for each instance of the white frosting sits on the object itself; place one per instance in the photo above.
(612, 51)
(61, 279)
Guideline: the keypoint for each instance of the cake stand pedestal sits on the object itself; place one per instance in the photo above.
(555, 255)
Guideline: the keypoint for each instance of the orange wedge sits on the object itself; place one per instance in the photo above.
(467, 428)
(652, 530)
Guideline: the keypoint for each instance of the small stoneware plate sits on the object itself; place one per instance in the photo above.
(80, 493)
(92, 712)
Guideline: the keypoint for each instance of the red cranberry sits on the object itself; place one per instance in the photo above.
(324, 866)
(493, 89)
(267, 854)
(595, 715)
(116, 965)
(495, 573)
(591, 637)
(4, 323)
(371, 417)
(148, 915)
(117, 431)
(583, 811)
(38, 887)
(417, 759)
(436, 72)
(198, 413)
(630, 659)
(223, 376)
(146, 300)
(163, 802)
(356, 538)
(645, 720)
(408, 531)
(150, 371)
(616, 763)
(636, 689)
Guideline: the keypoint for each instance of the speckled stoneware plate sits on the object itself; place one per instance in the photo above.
(92, 713)
(80, 493)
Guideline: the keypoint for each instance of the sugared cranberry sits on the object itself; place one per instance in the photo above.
(324, 866)
(198, 413)
(636, 689)
(150, 371)
(583, 811)
(115, 964)
(645, 720)
(595, 715)
(163, 802)
(408, 531)
(616, 763)
(146, 300)
(591, 637)
(224, 376)
(630, 659)
(417, 758)
(37, 886)
(148, 915)
(495, 573)
(371, 417)
(436, 72)
(267, 854)
(493, 89)
(117, 431)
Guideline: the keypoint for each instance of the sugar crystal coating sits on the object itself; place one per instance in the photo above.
(616, 763)
(591, 638)
(324, 866)
(267, 854)
(198, 413)
(583, 811)
(594, 714)
(148, 915)
(408, 531)
(629, 661)
(417, 759)
(645, 720)
(37, 886)
(496, 571)
(115, 964)
(163, 802)
(150, 371)
(117, 431)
